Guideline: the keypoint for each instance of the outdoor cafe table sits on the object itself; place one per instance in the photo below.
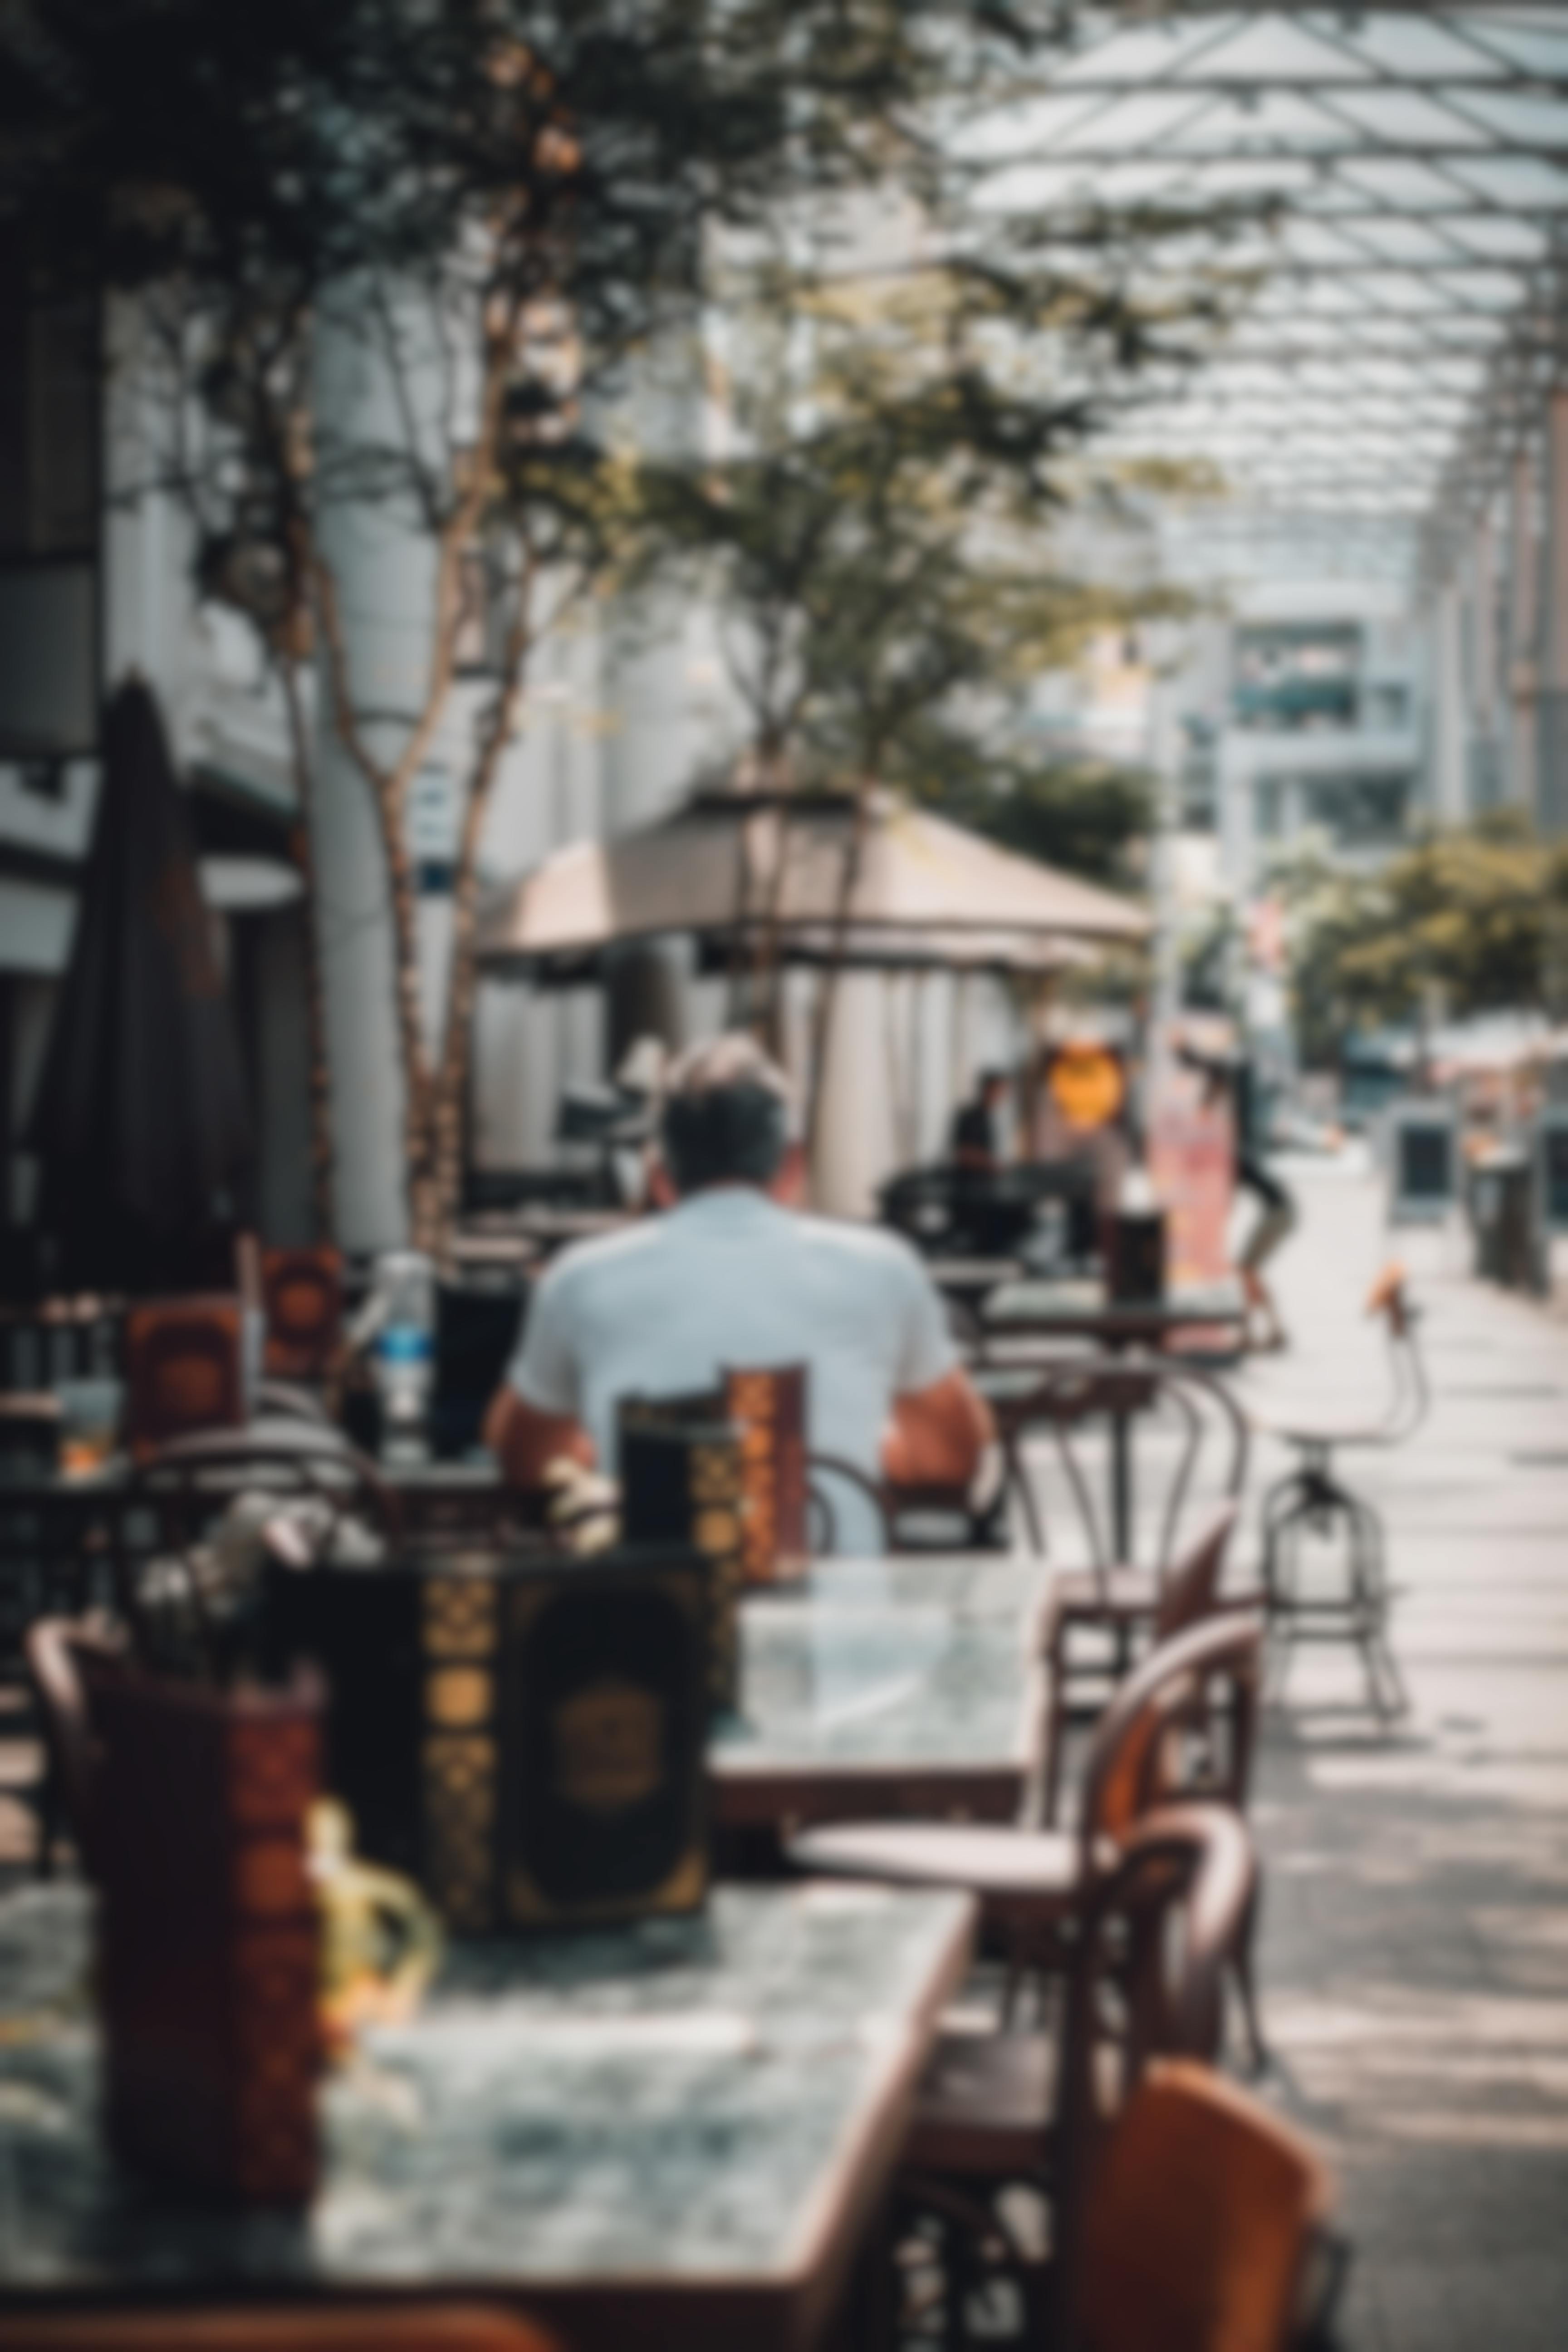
(672, 2133)
(908, 1685)
(1203, 1319)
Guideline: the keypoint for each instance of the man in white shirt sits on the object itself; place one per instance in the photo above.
(732, 1275)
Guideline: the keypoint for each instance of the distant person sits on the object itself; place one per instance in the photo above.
(976, 1141)
(1277, 1214)
(733, 1274)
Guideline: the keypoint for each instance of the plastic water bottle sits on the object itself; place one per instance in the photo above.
(404, 1295)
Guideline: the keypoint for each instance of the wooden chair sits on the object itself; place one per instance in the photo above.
(997, 2111)
(191, 1481)
(388, 2326)
(1125, 1601)
(55, 1648)
(1313, 1499)
(909, 1519)
(1063, 1396)
(1181, 1726)
(1199, 2224)
(177, 1497)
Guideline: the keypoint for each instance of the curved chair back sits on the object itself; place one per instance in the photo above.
(909, 1518)
(1064, 1397)
(1190, 1589)
(1147, 1979)
(192, 1480)
(55, 1648)
(1163, 1922)
(1182, 1724)
(1197, 2225)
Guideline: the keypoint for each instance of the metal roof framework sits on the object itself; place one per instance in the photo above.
(1390, 186)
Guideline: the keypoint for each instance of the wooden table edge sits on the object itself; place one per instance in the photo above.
(784, 2308)
(747, 1796)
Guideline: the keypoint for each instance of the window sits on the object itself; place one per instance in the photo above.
(49, 520)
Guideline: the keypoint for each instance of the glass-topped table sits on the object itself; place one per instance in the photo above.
(671, 2134)
(909, 1685)
(1083, 1310)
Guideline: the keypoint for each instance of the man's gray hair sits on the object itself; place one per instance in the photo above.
(726, 1115)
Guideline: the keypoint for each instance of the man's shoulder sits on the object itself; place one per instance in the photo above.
(580, 1264)
(873, 1248)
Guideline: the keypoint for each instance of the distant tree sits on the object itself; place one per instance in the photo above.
(1474, 913)
(1089, 816)
(525, 190)
(522, 198)
(875, 535)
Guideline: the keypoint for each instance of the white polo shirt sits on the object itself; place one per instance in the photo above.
(731, 1279)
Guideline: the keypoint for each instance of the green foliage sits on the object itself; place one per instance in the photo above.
(1088, 816)
(877, 535)
(1472, 919)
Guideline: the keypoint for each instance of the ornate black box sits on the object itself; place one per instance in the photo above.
(527, 1739)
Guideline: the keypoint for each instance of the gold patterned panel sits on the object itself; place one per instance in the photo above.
(683, 1890)
(459, 1781)
(608, 1743)
(460, 1616)
(715, 1473)
(715, 1532)
(457, 1698)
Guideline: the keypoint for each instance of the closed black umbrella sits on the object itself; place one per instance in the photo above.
(141, 1124)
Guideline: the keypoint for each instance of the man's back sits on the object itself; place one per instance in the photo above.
(731, 1279)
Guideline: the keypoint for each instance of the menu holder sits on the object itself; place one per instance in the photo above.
(209, 1933)
(769, 1408)
(526, 1738)
(1135, 1258)
(185, 1369)
(302, 1296)
(682, 1482)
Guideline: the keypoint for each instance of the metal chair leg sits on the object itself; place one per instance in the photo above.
(1245, 1972)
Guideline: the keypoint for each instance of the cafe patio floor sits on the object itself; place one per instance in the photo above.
(1415, 1966)
(1415, 1946)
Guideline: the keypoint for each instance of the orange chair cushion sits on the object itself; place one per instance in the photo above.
(1198, 2223)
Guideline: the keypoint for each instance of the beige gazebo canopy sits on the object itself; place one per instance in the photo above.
(893, 887)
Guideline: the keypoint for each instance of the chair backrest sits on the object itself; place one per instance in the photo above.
(194, 1477)
(1191, 1585)
(821, 1513)
(1182, 1724)
(55, 1648)
(1197, 2223)
(1162, 1923)
(1070, 1394)
(283, 2327)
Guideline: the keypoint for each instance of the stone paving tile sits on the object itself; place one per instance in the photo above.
(1416, 1938)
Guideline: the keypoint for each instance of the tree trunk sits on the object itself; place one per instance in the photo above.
(822, 1027)
(321, 1154)
(449, 1082)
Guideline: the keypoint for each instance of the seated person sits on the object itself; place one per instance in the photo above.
(733, 1274)
(975, 1141)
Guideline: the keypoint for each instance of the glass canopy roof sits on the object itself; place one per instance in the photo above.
(1385, 191)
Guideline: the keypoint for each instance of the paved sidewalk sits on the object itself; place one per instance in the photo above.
(1415, 1947)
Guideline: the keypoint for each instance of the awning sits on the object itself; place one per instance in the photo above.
(898, 888)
